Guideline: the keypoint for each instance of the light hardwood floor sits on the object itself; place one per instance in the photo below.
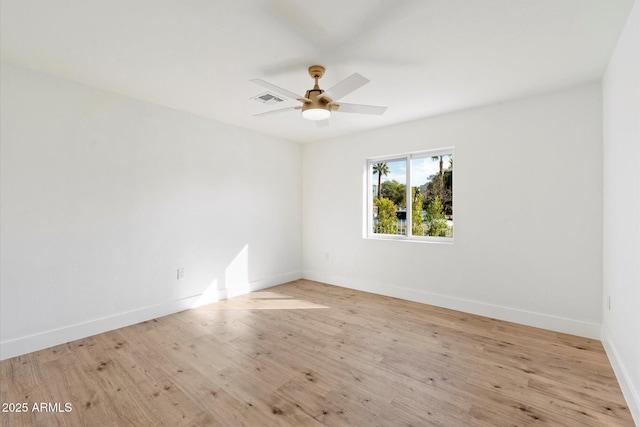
(310, 354)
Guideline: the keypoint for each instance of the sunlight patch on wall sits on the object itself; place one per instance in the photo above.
(210, 295)
(236, 275)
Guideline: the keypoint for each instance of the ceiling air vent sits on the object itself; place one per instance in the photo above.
(268, 98)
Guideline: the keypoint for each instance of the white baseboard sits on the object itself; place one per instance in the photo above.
(538, 320)
(27, 344)
(626, 384)
(53, 337)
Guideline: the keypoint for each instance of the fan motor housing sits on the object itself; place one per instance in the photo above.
(312, 95)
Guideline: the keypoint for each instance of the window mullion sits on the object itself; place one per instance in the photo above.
(370, 198)
(409, 202)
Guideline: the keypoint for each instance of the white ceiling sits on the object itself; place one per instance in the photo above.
(423, 57)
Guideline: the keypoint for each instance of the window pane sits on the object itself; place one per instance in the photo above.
(389, 189)
(432, 192)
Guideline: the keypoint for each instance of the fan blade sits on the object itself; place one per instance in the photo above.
(359, 109)
(281, 110)
(322, 123)
(345, 87)
(279, 90)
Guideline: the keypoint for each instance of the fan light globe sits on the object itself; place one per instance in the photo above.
(316, 114)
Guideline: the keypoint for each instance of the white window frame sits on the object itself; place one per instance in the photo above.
(407, 157)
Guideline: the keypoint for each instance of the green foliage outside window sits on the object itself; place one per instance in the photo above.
(436, 222)
(417, 227)
(396, 192)
(387, 219)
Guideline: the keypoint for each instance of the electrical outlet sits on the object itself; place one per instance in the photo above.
(180, 274)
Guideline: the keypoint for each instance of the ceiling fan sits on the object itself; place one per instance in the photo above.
(317, 104)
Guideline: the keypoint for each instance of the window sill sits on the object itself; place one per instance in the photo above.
(391, 237)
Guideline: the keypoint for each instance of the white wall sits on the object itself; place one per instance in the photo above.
(528, 213)
(103, 197)
(621, 239)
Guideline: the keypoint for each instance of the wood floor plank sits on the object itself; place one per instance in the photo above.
(310, 354)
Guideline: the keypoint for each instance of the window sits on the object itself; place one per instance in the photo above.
(411, 196)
